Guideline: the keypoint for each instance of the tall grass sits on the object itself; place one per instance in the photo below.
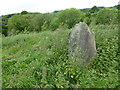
(0, 61)
(40, 60)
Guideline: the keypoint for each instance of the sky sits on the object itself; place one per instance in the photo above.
(45, 6)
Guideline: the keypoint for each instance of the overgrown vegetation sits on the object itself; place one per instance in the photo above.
(39, 60)
(13, 24)
(35, 49)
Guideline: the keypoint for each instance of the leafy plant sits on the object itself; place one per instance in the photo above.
(40, 60)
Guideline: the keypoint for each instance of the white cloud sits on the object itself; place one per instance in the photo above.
(16, 6)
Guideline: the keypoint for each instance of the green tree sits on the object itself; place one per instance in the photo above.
(88, 14)
(87, 20)
(117, 6)
(24, 12)
(37, 22)
(44, 27)
(4, 28)
(4, 19)
(54, 24)
(19, 22)
(94, 9)
(71, 17)
(105, 16)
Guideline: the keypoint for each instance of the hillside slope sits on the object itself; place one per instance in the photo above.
(39, 60)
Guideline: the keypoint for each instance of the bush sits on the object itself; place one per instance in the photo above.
(71, 17)
(40, 60)
(19, 22)
(54, 24)
(105, 16)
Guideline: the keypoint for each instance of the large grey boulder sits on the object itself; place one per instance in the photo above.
(81, 45)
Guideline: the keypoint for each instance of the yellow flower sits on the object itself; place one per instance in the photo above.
(71, 76)
(64, 72)
(101, 74)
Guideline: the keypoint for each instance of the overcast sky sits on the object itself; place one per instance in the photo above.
(43, 6)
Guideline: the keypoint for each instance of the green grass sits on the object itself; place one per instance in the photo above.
(0, 61)
(40, 60)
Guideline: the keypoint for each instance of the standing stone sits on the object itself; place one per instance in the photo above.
(81, 45)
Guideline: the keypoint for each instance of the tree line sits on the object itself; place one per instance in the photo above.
(65, 19)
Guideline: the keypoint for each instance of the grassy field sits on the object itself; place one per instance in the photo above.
(40, 60)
